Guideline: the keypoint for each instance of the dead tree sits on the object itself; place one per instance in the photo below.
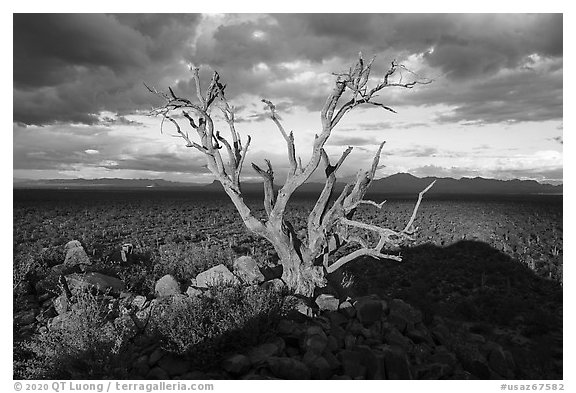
(306, 260)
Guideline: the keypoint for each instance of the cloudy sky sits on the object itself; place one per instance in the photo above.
(494, 108)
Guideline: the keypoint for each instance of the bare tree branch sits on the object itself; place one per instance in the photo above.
(420, 195)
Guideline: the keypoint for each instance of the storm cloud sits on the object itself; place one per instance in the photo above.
(78, 79)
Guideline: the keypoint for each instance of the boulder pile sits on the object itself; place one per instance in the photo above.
(354, 338)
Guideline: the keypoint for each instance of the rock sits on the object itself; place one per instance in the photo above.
(173, 365)
(394, 337)
(167, 286)
(368, 310)
(276, 285)
(299, 309)
(80, 282)
(419, 336)
(140, 366)
(157, 373)
(138, 302)
(60, 304)
(59, 321)
(444, 357)
(259, 354)
(480, 369)
(327, 302)
(315, 343)
(216, 275)
(434, 371)
(155, 356)
(288, 368)
(195, 375)
(337, 319)
(403, 311)
(126, 251)
(319, 368)
(72, 244)
(75, 254)
(440, 333)
(352, 363)
(236, 364)
(498, 362)
(374, 364)
(246, 269)
(396, 363)
(286, 327)
(347, 309)
(279, 342)
(193, 292)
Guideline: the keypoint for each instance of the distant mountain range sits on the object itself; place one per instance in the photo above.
(401, 183)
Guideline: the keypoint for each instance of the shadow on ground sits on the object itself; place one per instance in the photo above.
(481, 289)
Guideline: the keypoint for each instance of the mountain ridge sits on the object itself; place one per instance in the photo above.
(400, 183)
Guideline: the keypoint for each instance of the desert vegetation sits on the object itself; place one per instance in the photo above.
(178, 284)
(487, 275)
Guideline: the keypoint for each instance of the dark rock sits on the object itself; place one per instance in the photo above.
(246, 269)
(368, 310)
(480, 369)
(173, 365)
(402, 309)
(319, 367)
(352, 363)
(440, 334)
(140, 366)
(103, 283)
(394, 337)
(272, 272)
(288, 368)
(327, 302)
(444, 357)
(157, 373)
(197, 375)
(286, 327)
(315, 343)
(215, 276)
(434, 371)
(372, 363)
(396, 363)
(347, 309)
(155, 356)
(337, 318)
(276, 285)
(498, 362)
(419, 336)
(261, 353)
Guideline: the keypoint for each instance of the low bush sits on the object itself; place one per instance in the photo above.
(229, 318)
(185, 260)
(85, 345)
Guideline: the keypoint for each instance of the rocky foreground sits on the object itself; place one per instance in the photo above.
(366, 337)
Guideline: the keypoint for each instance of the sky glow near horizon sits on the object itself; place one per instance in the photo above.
(493, 110)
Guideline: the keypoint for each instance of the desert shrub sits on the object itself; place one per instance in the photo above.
(86, 345)
(230, 318)
(27, 261)
(185, 260)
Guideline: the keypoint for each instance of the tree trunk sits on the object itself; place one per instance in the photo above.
(298, 269)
